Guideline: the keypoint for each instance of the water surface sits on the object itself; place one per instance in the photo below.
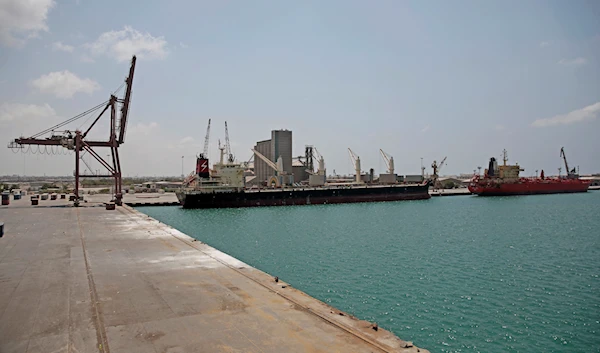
(452, 274)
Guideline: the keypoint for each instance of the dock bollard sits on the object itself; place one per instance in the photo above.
(5, 199)
(1, 229)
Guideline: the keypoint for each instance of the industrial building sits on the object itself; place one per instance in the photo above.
(280, 145)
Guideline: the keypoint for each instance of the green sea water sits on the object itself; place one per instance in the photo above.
(451, 274)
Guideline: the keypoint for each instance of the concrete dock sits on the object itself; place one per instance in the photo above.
(92, 280)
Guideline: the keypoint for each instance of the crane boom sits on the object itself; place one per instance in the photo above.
(442, 163)
(204, 153)
(230, 158)
(270, 163)
(389, 161)
(564, 157)
(353, 156)
(126, 100)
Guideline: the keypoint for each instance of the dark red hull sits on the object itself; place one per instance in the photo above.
(525, 186)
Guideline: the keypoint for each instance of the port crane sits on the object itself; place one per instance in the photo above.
(570, 173)
(356, 162)
(436, 169)
(389, 161)
(78, 141)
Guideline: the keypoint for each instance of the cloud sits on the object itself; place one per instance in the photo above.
(499, 127)
(63, 47)
(424, 129)
(545, 44)
(186, 139)
(573, 62)
(64, 84)
(588, 113)
(141, 130)
(87, 59)
(21, 20)
(122, 45)
(19, 112)
(184, 46)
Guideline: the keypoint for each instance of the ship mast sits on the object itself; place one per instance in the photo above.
(504, 156)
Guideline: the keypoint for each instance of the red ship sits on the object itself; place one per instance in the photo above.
(504, 180)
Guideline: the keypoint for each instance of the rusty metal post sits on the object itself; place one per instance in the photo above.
(77, 150)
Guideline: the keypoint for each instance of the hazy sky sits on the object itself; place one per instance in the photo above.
(462, 79)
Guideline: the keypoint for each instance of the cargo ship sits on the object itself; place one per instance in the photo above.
(504, 180)
(222, 197)
(225, 188)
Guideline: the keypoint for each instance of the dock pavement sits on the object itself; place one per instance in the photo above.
(87, 279)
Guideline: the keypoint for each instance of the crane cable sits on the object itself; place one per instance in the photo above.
(79, 116)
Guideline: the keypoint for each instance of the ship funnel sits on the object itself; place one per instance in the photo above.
(358, 170)
(491, 167)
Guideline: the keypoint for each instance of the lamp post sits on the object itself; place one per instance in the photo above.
(181, 167)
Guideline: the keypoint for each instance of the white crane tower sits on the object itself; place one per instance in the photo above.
(321, 161)
(356, 162)
(389, 161)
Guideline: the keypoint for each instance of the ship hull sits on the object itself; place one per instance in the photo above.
(307, 196)
(483, 188)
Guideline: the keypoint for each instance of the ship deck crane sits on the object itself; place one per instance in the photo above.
(204, 153)
(356, 162)
(564, 157)
(321, 162)
(313, 154)
(389, 161)
(77, 141)
(230, 158)
(277, 167)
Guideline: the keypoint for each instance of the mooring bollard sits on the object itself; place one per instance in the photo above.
(1, 229)
(5, 199)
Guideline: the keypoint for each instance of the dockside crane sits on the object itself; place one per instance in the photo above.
(356, 162)
(77, 140)
(436, 169)
(389, 161)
